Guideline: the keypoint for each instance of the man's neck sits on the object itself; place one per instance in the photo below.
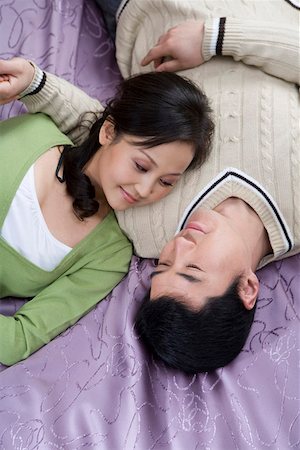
(246, 221)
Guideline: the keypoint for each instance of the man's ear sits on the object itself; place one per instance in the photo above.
(248, 289)
(106, 133)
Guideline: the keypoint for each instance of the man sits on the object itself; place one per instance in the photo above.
(204, 290)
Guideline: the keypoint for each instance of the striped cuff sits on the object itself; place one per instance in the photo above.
(220, 39)
(214, 36)
(37, 83)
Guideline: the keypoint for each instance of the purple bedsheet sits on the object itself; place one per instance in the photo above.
(95, 386)
(65, 37)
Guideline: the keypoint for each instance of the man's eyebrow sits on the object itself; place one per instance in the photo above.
(187, 277)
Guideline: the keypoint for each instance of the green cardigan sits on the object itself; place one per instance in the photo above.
(84, 277)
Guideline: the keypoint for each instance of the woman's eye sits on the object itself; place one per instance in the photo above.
(140, 168)
(167, 183)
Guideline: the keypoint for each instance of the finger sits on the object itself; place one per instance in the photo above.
(162, 39)
(156, 53)
(5, 66)
(172, 29)
(158, 62)
(148, 58)
(169, 66)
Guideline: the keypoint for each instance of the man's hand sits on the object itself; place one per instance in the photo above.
(178, 49)
(16, 75)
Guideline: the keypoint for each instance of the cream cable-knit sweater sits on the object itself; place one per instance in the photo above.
(256, 114)
(262, 33)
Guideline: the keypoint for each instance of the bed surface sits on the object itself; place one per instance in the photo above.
(95, 386)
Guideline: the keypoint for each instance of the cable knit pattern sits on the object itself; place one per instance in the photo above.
(295, 162)
(255, 112)
(251, 127)
(260, 33)
(252, 92)
(266, 114)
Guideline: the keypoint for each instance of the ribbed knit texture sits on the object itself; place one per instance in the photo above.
(65, 106)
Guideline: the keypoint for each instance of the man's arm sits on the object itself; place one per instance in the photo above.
(270, 46)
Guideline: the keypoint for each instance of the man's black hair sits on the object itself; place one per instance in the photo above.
(195, 341)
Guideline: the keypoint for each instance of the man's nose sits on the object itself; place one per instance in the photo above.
(184, 242)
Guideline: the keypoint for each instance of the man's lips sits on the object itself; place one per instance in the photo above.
(128, 197)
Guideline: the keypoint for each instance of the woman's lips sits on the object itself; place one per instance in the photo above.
(129, 198)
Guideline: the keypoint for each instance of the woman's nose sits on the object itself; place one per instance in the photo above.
(144, 189)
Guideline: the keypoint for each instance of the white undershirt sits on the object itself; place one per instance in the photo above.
(25, 229)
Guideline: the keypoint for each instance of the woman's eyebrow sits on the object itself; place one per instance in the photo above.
(156, 165)
(148, 156)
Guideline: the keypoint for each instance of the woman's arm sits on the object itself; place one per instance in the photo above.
(66, 104)
(59, 306)
(270, 46)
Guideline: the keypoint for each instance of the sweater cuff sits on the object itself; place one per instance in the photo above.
(232, 37)
(41, 94)
(211, 31)
(37, 83)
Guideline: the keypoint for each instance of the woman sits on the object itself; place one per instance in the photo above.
(68, 251)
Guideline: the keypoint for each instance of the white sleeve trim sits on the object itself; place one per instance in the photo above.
(214, 37)
(37, 79)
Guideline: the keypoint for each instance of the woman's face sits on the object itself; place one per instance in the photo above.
(131, 175)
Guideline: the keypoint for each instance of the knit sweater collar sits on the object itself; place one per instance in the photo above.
(235, 183)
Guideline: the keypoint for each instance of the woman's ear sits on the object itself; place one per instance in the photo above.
(248, 289)
(106, 133)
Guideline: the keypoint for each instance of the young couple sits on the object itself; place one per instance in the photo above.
(244, 215)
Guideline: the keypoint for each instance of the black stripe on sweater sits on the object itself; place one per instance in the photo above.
(255, 187)
(219, 45)
(40, 86)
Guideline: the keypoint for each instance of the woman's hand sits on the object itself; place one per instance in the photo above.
(16, 75)
(179, 48)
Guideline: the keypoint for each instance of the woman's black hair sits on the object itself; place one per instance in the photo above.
(195, 341)
(157, 107)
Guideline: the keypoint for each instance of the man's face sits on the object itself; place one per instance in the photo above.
(201, 261)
